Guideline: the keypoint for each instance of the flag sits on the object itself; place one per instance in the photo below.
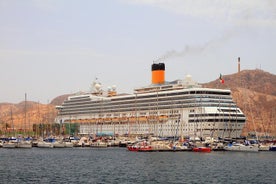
(221, 79)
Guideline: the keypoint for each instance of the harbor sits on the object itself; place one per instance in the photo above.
(143, 144)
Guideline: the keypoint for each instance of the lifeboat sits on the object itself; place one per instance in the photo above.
(142, 118)
(202, 149)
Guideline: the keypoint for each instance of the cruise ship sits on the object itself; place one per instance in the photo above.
(166, 109)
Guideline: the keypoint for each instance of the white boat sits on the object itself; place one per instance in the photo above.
(24, 144)
(241, 147)
(264, 147)
(68, 145)
(99, 144)
(84, 142)
(181, 146)
(9, 145)
(59, 144)
(44, 144)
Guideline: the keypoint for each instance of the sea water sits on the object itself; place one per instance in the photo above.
(117, 165)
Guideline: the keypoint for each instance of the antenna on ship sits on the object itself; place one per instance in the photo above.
(96, 87)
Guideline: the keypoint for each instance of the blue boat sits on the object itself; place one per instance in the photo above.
(272, 148)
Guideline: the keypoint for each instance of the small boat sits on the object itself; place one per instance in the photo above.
(24, 144)
(47, 143)
(202, 149)
(241, 147)
(83, 142)
(264, 147)
(272, 148)
(178, 146)
(140, 146)
(59, 144)
(9, 145)
(44, 144)
(99, 144)
(68, 145)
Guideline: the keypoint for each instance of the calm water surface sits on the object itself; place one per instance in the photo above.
(116, 165)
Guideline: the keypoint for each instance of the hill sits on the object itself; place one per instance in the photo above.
(23, 115)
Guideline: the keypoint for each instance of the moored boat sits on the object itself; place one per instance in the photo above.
(264, 147)
(272, 148)
(68, 145)
(241, 147)
(140, 146)
(9, 142)
(202, 149)
(99, 144)
(24, 144)
(44, 144)
(9, 145)
(59, 144)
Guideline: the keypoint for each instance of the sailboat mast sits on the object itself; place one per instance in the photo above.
(12, 122)
(25, 114)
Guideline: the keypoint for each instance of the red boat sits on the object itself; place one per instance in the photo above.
(202, 149)
(141, 146)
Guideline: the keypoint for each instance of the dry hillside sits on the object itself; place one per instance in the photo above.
(24, 115)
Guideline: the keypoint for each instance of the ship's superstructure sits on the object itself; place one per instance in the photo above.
(178, 108)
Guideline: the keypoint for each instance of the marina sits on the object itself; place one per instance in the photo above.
(144, 144)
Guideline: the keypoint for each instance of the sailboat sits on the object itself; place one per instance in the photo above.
(24, 143)
(10, 142)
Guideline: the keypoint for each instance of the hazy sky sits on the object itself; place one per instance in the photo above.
(54, 47)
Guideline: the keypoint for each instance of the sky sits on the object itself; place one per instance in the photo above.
(53, 47)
